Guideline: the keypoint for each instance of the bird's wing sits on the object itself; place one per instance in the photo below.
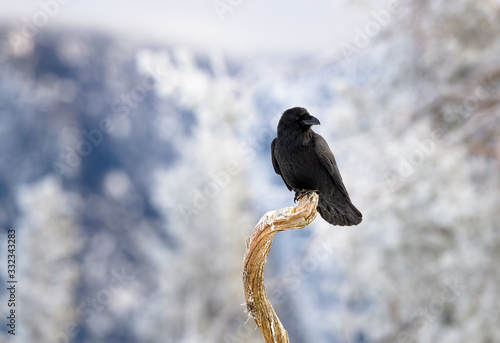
(275, 164)
(328, 161)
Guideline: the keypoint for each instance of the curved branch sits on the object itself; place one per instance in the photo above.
(258, 246)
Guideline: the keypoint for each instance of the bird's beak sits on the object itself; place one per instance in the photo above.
(309, 120)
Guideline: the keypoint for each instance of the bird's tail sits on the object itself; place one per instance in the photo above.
(336, 212)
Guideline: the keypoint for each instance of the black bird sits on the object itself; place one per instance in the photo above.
(306, 163)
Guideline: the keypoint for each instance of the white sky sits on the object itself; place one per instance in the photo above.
(254, 28)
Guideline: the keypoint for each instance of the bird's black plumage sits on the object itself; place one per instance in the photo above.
(306, 163)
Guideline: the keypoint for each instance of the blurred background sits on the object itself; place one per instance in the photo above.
(135, 159)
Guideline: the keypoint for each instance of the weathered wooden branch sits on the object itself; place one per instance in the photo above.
(258, 246)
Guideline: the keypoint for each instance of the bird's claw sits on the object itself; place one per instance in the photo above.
(303, 192)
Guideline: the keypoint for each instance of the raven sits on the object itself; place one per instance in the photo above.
(306, 163)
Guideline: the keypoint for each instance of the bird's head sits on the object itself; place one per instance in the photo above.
(296, 119)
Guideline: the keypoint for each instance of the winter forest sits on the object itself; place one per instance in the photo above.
(133, 173)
